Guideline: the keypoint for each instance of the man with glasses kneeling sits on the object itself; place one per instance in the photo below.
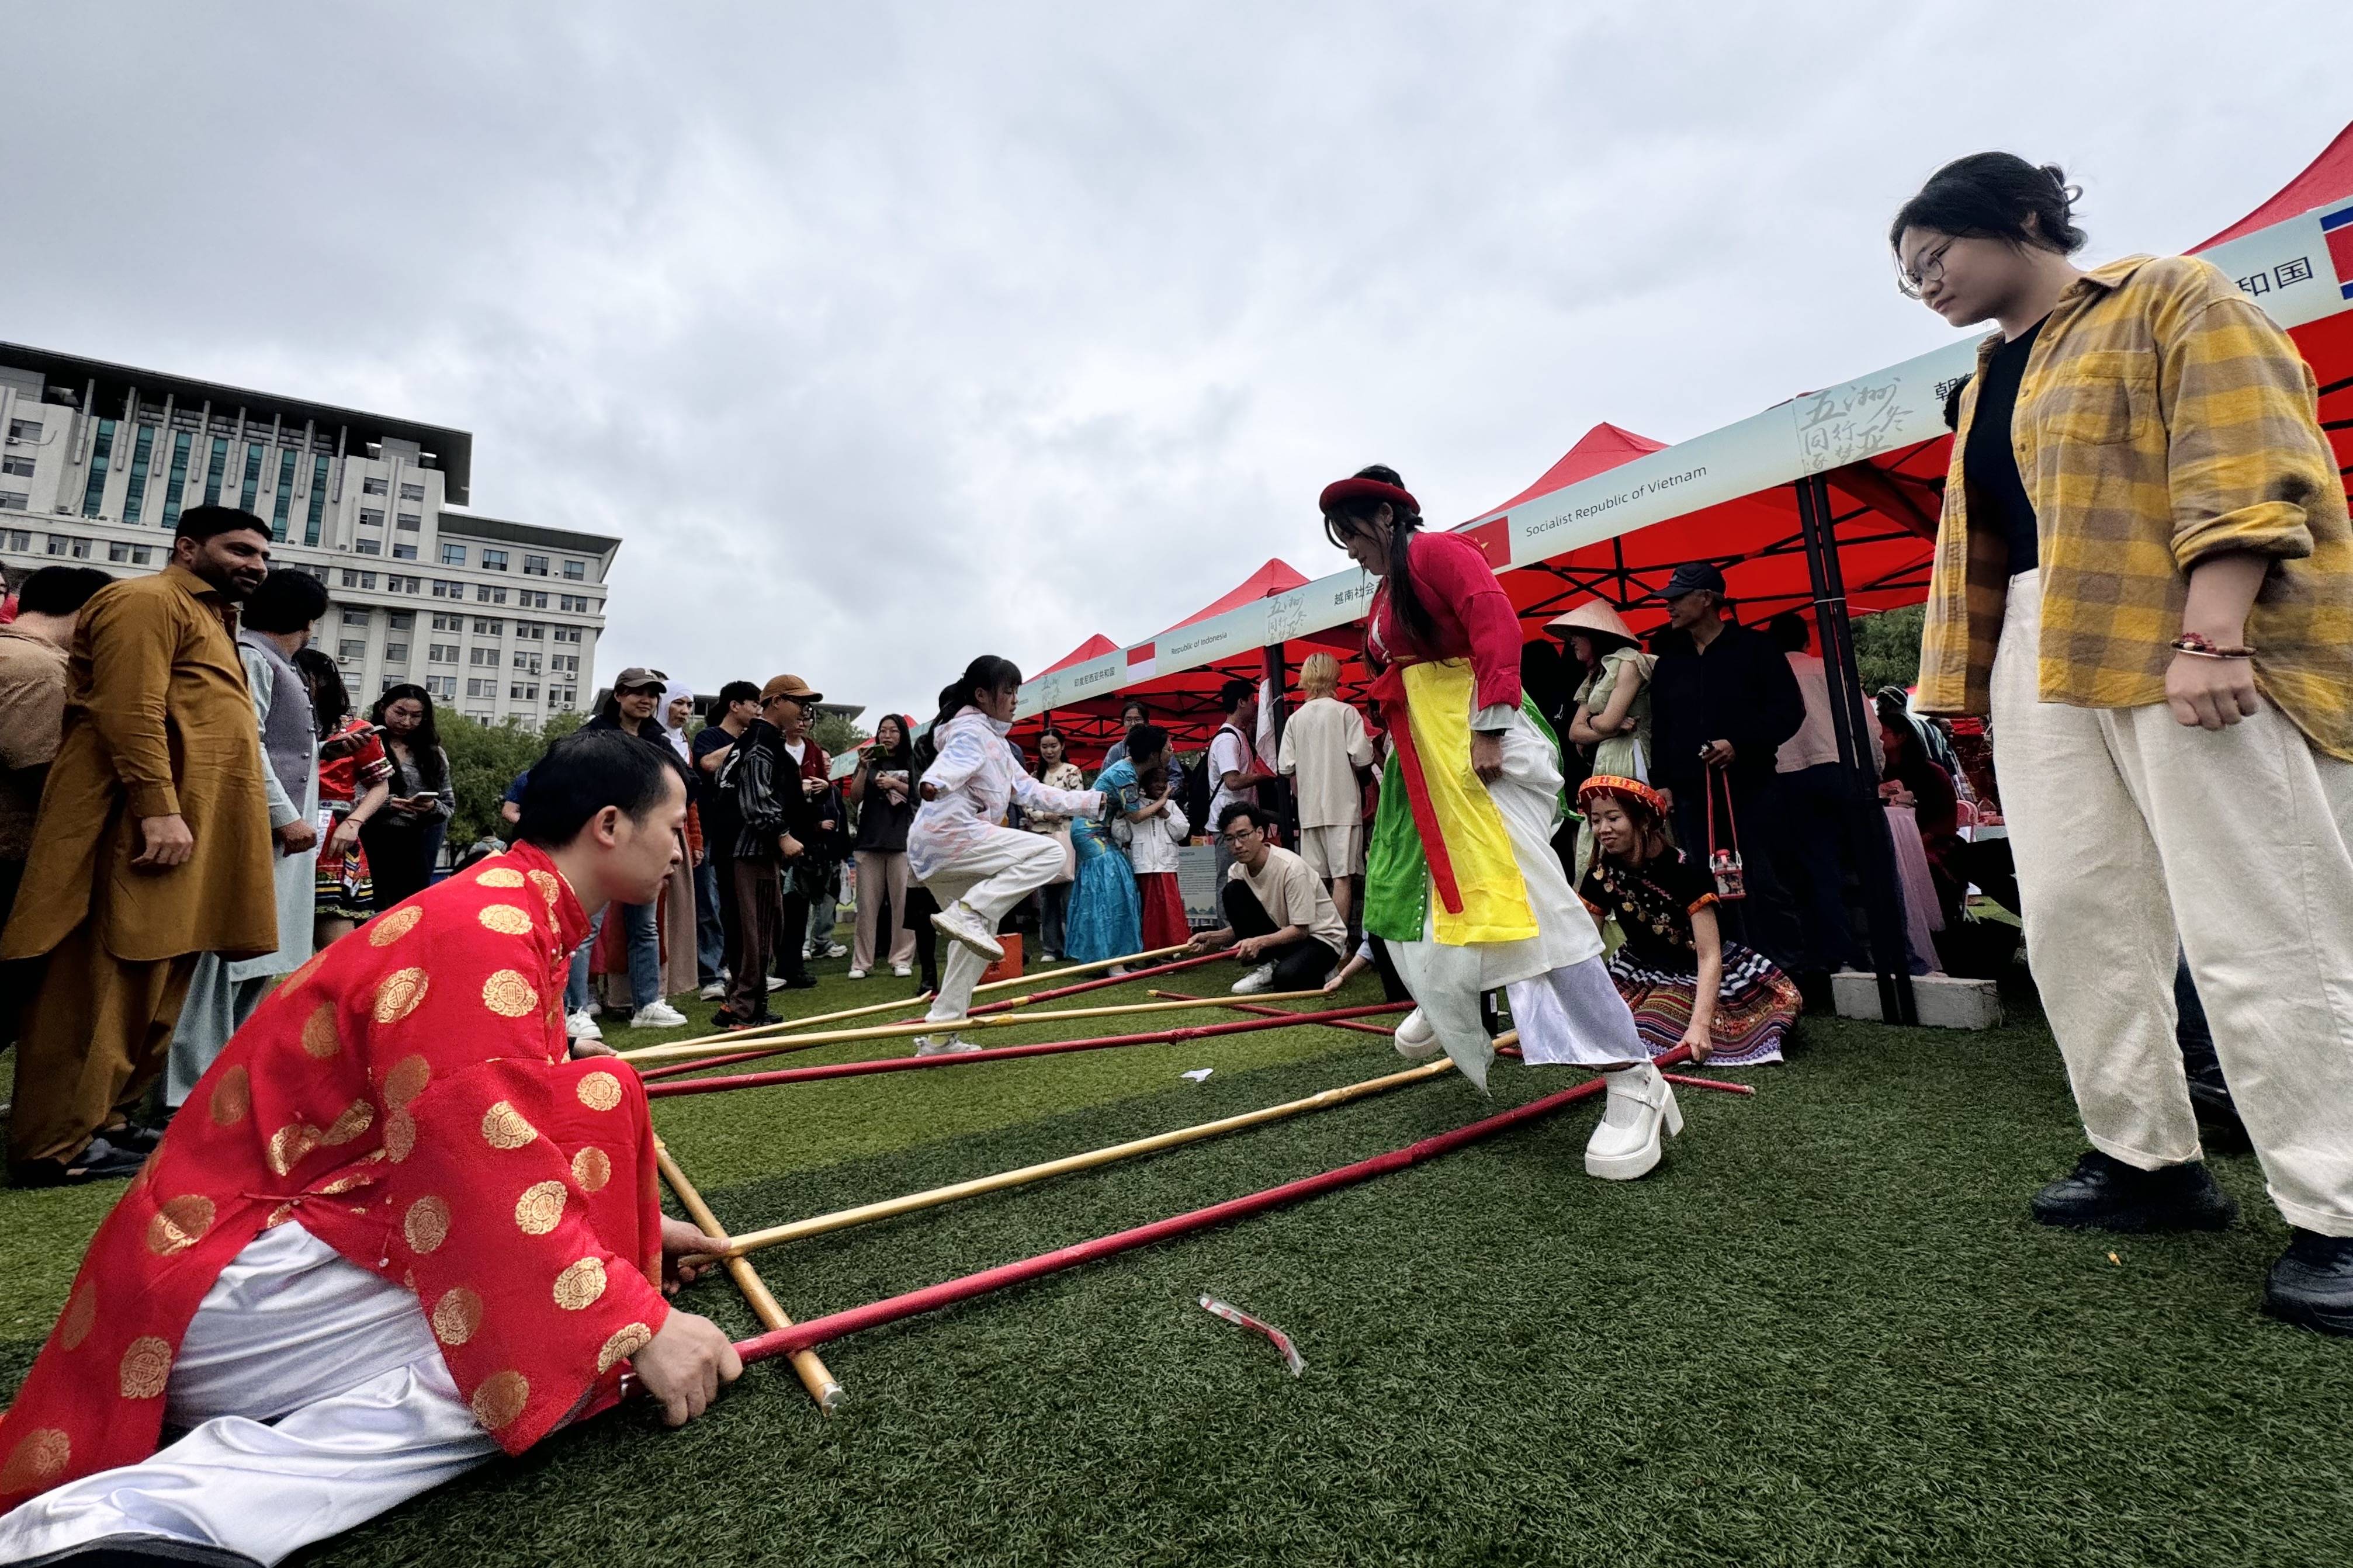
(1279, 915)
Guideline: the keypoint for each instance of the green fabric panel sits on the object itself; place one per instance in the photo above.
(1397, 875)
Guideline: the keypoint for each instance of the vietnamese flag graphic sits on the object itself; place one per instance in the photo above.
(1493, 537)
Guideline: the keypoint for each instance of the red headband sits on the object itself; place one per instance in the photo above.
(1340, 490)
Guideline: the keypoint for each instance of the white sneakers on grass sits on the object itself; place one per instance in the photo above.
(1256, 981)
(581, 1025)
(902, 970)
(857, 975)
(657, 1015)
(714, 992)
(961, 924)
(1638, 1116)
(945, 1046)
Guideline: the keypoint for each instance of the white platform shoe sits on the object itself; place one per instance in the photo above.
(1639, 1114)
(1416, 1040)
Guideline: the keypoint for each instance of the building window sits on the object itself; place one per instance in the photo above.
(400, 620)
(368, 547)
(481, 689)
(441, 685)
(494, 560)
(15, 501)
(284, 514)
(355, 618)
(576, 571)
(445, 589)
(352, 650)
(526, 662)
(403, 551)
(531, 631)
(372, 487)
(24, 429)
(66, 545)
(523, 693)
(479, 715)
(441, 652)
(409, 522)
(127, 554)
(480, 657)
(396, 653)
(318, 499)
(534, 565)
(252, 476)
(100, 452)
(18, 539)
(442, 623)
(177, 482)
(371, 516)
(214, 470)
(143, 450)
(490, 628)
(486, 594)
(567, 634)
(453, 555)
(20, 468)
(367, 580)
(412, 493)
(351, 578)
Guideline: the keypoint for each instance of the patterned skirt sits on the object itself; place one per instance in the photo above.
(345, 890)
(1755, 1006)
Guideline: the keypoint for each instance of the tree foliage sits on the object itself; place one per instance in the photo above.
(1887, 646)
(484, 760)
(837, 733)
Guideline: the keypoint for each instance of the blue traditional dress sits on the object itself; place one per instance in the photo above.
(1105, 917)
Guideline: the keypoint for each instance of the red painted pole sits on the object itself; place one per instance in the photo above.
(1263, 1010)
(1048, 1047)
(822, 1331)
(1685, 1079)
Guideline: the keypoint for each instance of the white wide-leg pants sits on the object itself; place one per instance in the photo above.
(2130, 827)
(991, 876)
(315, 1399)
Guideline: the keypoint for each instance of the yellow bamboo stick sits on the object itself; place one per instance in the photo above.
(842, 1219)
(1056, 976)
(949, 1026)
(814, 1376)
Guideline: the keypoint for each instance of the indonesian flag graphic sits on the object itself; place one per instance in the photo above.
(1140, 665)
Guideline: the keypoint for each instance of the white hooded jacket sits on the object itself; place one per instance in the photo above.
(976, 775)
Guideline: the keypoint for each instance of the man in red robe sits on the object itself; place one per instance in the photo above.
(394, 1231)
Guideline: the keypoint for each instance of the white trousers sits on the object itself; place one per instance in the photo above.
(990, 878)
(1563, 1002)
(315, 1399)
(2130, 827)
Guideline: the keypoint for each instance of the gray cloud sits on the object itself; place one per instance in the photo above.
(887, 335)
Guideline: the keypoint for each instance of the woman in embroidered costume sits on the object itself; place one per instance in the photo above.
(1686, 984)
(1461, 879)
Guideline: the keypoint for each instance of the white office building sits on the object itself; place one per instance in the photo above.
(497, 620)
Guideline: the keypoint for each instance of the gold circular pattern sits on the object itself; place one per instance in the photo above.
(399, 993)
(81, 1311)
(456, 1316)
(179, 1224)
(278, 1216)
(500, 876)
(356, 1119)
(599, 1091)
(591, 1168)
(290, 1145)
(501, 1399)
(577, 1288)
(232, 1097)
(507, 920)
(146, 1366)
(399, 1136)
(426, 1224)
(385, 930)
(39, 1459)
(540, 1208)
(504, 1127)
(407, 1080)
(308, 970)
(549, 887)
(321, 1039)
(628, 1342)
(510, 995)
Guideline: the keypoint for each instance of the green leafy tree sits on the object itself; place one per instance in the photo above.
(1887, 646)
(837, 733)
(484, 760)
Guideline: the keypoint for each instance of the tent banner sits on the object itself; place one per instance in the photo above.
(2290, 269)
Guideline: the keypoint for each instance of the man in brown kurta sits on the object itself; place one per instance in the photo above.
(152, 846)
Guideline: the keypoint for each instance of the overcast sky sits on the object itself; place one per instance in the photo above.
(885, 335)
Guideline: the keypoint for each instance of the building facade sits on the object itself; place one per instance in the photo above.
(497, 620)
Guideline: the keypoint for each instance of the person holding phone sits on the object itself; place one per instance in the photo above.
(405, 837)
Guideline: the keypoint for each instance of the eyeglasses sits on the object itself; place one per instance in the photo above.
(1910, 280)
(1237, 840)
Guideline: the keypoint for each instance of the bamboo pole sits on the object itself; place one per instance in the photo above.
(738, 1036)
(950, 1025)
(1681, 1078)
(824, 1330)
(814, 1376)
(1058, 992)
(1089, 968)
(999, 1053)
(842, 1219)
(1254, 1007)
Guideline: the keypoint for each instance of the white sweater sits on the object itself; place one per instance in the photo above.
(976, 777)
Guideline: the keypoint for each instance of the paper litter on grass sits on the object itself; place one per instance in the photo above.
(1281, 1340)
(1198, 1074)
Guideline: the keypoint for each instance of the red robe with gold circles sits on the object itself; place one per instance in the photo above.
(405, 1095)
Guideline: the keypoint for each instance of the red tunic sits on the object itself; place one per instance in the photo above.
(407, 1096)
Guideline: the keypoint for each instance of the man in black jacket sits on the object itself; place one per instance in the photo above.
(1722, 701)
(778, 824)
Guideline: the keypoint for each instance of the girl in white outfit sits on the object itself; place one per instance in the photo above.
(959, 847)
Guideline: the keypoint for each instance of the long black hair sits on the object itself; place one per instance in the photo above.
(986, 673)
(1404, 523)
(425, 742)
(1038, 766)
(1989, 195)
(331, 699)
(901, 757)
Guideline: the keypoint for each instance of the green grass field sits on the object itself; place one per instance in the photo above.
(1824, 1331)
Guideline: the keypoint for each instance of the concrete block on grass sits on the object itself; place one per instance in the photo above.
(1944, 1001)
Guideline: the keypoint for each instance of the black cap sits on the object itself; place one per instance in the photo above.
(1690, 578)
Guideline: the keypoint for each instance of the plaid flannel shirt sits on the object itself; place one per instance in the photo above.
(2163, 418)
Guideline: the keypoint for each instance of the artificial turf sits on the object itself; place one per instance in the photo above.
(1824, 1331)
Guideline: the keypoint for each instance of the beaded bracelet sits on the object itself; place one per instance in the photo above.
(2198, 646)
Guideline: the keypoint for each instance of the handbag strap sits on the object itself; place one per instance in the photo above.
(1732, 827)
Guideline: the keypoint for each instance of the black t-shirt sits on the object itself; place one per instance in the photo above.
(1653, 904)
(883, 824)
(721, 820)
(1989, 462)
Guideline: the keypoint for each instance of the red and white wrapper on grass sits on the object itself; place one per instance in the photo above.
(1276, 1337)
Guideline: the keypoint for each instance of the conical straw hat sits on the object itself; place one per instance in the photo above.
(1593, 616)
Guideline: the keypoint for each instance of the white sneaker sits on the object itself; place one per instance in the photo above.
(1256, 981)
(1639, 1109)
(775, 982)
(902, 970)
(1416, 1040)
(581, 1025)
(657, 1015)
(833, 950)
(959, 923)
(945, 1046)
(858, 974)
(714, 992)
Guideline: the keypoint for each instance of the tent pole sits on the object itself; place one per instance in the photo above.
(1278, 677)
(1867, 820)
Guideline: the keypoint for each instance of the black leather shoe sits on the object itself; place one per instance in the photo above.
(2106, 1193)
(2312, 1284)
(2219, 1126)
(799, 982)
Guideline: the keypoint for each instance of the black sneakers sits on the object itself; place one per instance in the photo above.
(2106, 1193)
(2312, 1284)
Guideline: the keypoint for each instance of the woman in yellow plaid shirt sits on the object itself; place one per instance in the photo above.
(2145, 578)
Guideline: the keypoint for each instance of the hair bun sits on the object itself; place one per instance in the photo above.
(1383, 473)
(2069, 193)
